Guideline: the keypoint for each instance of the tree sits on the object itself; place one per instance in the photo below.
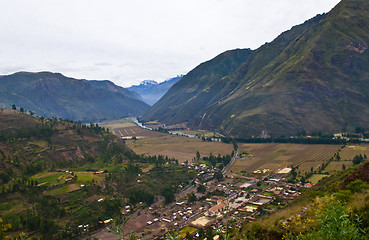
(201, 189)
(335, 223)
(191, 197)
(168, 194)
(21, 110)
(218, 176)
(235, 146)
(209, 233)
(189, 236)
(197, 155)
(358, 159)
(14, 107)
(357, 186)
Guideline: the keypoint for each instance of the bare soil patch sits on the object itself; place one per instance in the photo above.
(181, 148)
(73, 187)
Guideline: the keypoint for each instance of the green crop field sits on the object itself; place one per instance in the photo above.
(315, 178)
(186, 230)
(58, 191)
(38, 143)
(51, 178)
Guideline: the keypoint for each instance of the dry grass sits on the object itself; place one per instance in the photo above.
(181, 148)
(350, 151)
(73, 187)
(125, 122)
(337, 166)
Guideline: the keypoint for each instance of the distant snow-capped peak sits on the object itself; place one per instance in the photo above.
(149, 82)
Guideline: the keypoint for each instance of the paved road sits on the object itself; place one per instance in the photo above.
(225, 169)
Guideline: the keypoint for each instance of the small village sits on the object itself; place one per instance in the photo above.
(214, 203)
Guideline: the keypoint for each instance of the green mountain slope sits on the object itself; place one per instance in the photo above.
(312, 78)
(54, 95)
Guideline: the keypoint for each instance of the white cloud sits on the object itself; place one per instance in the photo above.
(127, 41)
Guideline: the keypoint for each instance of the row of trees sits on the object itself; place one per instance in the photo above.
(359, 159)
(40, 131)
(223, 160)
(296, 140)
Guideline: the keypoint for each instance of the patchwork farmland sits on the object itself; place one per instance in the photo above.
(274, 156)
(258, 156)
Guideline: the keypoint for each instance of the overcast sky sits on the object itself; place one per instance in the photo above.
(127, 41)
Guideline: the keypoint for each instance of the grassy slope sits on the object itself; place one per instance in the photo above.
(301, 212)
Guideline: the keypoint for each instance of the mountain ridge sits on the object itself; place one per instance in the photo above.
(303, 81)
(54, 95)
(151, 91)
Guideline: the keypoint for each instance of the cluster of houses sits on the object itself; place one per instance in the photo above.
(68, 179)
(243, 198)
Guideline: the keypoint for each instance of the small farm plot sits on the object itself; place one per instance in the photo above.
(125, 122)
(51, 178)
(124, 128)
(274, 156)
(136, 132)
(178, 147)
(334, 166)
(350, 151)
(63, 183)
(315, 178)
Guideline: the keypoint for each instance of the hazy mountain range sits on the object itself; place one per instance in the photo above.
(312, 78)
(54, 95)
(151, 91)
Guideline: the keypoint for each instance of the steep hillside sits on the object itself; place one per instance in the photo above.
(59, 175)
(54, 95)
(151, 91)
(327, 210)
(110, 86)
(33, 143)
(311, 79)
